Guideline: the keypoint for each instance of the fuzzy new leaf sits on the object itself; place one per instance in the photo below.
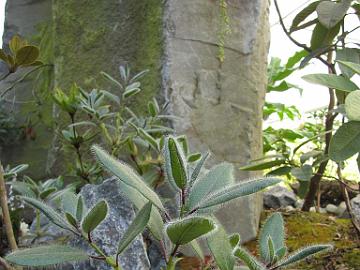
(175, 164)
(46, 255)
(186, 230)
(237, 191)
(50, 213)
(302, 254)
(127, 175)
(249, 260)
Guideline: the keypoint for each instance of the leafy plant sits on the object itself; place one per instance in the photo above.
(272, 249)
(199, 196)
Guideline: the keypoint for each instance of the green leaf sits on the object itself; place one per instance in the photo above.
(273, 228)
(194, 157)
(271, 248)
(197, 169)
(221, 249)
(22, 188)
(95, 216)
(234, 240)
(216, 179)
(175, 164)
(46, 255)
(352, 106)
(348, 55)
(249, 260)
(197, 249)
(3, 56)
(236, 191)
(263, 165)
(50, 213)
(111, 79)
(302, 254)
(26, 55)
(303, 173)
(323, 37)
(15, 44)
(331, 81)
(331, 13)
(80, 208)
(136, 227)
(346, 142)
(280, 171)
(155, 224)
(150, 139)
(69, 202)
(184, 231)
(71, 219)
(127, 175)
(303, 15)
(355, 67)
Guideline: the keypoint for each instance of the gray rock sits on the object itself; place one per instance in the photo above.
(332, 209)
(279, 197)
(355, 203)
(312, 209)
(341, 209)
(322, 210)
(299, 203)
(108, 233)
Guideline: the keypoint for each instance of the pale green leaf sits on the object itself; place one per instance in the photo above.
(136, 227)
(249, 260)
(184, 231)
(352, 105)
(331, 13)
(127, 175)
(331, 81)
(346, 142)
(46, 255)
(95, 216)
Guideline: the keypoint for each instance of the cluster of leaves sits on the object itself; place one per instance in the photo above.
(198, 197)
(328, 37)
(101, 115)
(21, 55)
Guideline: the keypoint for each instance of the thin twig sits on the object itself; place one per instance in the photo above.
(354, 219)
(6, 213)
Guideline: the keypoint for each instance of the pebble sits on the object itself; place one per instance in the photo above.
(332, 209)
(341, 209)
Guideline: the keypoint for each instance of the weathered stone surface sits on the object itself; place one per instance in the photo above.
(108, 233)
(219, 103)
(355, 203)
(279, 197)
(23, 17)
(332, 209)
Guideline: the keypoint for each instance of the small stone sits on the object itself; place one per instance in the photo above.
(299, 203)
(341, 209)
(279, 197)
(322, 210)
(289, 208)
(355, 204)
(332, 209)
(312, 209)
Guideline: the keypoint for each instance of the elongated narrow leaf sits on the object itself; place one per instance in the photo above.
(69, 202)
(175, 164)
(46, 255)
(127, 175)
(95, 216)
(150, 139)
(216, 179)
(273, 228)
(197, 169)
(237, 191)
(221, 249)
(303, 254)
(184, 231)
(197, 249)
(346, 142)
(259, 166)
(49, 212)
(331, 81)
(136, 227)
(303, 15)
(80, 208)
(249, 260)
(322, 37)
(23, 189)
(355, 67)
(155, 224)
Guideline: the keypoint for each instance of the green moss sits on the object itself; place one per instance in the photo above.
(101, 35)
(304, 229)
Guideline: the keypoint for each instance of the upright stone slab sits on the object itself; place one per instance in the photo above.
(24, 18)
(220, 103)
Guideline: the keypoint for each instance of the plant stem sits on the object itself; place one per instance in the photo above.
(354, 220)
(329, 123)
(171, 263)
(5, 210)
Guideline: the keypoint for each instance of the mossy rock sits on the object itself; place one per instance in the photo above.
(304, 229)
